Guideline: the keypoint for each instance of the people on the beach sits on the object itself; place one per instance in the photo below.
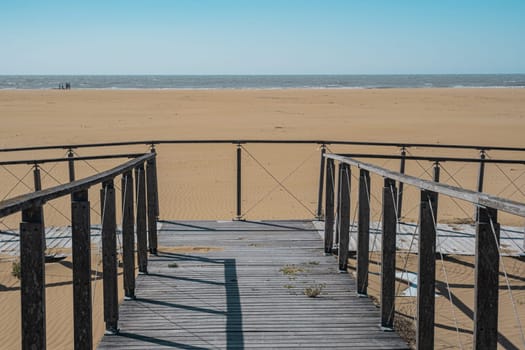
(64, 86)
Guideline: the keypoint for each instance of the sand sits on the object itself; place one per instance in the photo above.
(198, 181)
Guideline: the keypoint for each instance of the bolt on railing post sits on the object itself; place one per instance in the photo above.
(81, 247)
(109, 256)
(426, 285)
(153, 204)
(238, 214)
(128, 235)
(32, 279)
(329, 207)
(71, 164)
(388, 256)
(363, 232)
(401, 185)
(481, 176)
(486, 286)
(142, 236)
(319, 214)
(344, 216)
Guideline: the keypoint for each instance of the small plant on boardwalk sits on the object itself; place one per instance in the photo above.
(173, 265)
(313, 291)
(406, 329)
(291, 270)
(289, 286)
(15, 269)
(313, 263)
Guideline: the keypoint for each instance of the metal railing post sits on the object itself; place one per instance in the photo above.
(238, 215)
(481, 176)
(401, 185)
(71, 165)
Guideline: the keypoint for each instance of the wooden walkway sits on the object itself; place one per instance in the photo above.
(237, 295)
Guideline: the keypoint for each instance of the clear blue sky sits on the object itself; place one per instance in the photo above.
(262, 36)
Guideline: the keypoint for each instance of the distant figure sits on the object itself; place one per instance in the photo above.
(68, 86)
(60, 87)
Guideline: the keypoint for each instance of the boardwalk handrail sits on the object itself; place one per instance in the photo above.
(38, 198)
(32, 243)
(267, 141)
(487, 243)
(478, 198)
(70, 159)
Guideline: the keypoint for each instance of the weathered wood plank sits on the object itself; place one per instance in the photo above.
(237, 296)
(128, 235)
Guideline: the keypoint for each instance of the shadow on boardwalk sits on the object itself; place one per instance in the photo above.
(236, 297)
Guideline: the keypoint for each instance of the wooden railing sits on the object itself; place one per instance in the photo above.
(32, 244)
(487, 254)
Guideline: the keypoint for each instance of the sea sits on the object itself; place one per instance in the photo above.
(122, 82)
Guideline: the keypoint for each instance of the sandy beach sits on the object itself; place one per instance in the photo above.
(198, 181)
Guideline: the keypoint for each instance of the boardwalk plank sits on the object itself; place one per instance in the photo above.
(236, 295)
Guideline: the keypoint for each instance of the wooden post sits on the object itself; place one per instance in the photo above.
(363, 232)
(81, 244)
(155, 180)
(152, 194)
(142, 236)
(239, 179)
(319, 215)
(38, 187)
(481, 176)
(71, 164)
(338, 207)
(329, 207)
(109, 256)
(388, 258)
(426, 285)
(32, 279)
(487, 280)
(436, 177)
(344, 216)
(128, 236)
(401, 185)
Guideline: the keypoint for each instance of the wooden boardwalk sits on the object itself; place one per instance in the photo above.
(236, 295)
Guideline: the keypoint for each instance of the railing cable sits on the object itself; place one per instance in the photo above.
(277, 181)
(278, 185)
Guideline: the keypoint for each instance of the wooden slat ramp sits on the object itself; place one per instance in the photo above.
(240, 285)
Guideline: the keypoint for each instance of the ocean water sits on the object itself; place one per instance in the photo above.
(262, 81)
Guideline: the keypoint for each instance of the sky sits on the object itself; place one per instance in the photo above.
(262, 37)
